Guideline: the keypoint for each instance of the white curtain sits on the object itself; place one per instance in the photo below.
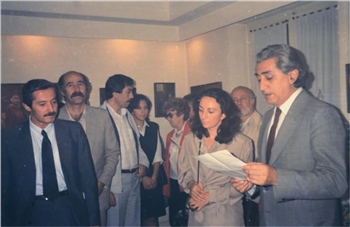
(276, 34)
(317, 38)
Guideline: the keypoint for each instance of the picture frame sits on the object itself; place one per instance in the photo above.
(162, 92)
(12, 110)
(347, 72)
(196, 90)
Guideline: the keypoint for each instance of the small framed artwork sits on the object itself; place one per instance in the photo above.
(196, 90)
(12, 111)
(162, 92)
(347, 70)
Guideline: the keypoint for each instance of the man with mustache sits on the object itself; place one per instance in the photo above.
(245, 100)
(301, 166)
(47, 173)
(75, 88)
(125, 190)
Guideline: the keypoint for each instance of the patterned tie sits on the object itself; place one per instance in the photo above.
(50, 185)
(272, 134)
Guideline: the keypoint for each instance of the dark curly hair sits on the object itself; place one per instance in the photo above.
(179, 105)
(229, 126)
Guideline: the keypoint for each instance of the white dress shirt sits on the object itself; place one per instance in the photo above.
(37, 139)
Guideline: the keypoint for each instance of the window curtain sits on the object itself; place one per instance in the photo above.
(317, 38)
(273, 34)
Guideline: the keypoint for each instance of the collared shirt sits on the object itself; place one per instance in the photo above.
(246, 122)
(174, 151)
(37, 139)
(82, 119)
(284, 110)
(126, 136)
(158, 154)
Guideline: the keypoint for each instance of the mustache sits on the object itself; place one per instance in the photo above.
(50, 114)
(77, 93)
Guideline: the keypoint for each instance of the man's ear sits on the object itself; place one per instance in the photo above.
(27, 108)
(293, 75)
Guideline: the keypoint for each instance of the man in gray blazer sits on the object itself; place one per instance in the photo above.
(304, 174)
(75, 88)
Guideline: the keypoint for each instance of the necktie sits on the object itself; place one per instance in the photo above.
(272, 134)
(50, 185)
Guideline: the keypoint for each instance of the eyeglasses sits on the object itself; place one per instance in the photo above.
(169, 115)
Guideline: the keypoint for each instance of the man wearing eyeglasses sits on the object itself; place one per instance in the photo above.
(125, 197)
(245, 100)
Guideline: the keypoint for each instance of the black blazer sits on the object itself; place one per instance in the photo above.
(18, 174)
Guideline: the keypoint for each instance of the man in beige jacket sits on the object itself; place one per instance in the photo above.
(245, 100)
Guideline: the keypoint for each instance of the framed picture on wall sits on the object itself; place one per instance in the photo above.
(347, 70)
(12, 111)
(162, 92)
(196, 90)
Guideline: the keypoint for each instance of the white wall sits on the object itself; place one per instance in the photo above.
(29, 57)
(219, 56)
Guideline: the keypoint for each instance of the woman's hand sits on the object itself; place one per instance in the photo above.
(197, 191)
(148, 183)
(197, 205)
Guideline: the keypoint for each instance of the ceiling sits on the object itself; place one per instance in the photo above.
(188, 18)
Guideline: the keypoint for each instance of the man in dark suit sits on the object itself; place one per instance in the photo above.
(301, 165)
(47, 173)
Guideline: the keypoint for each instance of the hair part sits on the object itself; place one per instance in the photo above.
(35, 85)
(117, 83)
(229, 126)
(287, 59)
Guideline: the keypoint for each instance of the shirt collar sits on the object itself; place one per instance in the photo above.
(82, 116)
(123, 111)
(37, 129)
(287, 104)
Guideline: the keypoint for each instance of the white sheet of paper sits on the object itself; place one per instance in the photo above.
(224, 162)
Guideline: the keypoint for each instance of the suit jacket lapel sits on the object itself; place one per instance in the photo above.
(64, 147)
(27, 155)
(91, 125)
(263, 135)
(288, 127)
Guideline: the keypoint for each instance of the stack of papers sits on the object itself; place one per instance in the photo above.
(224, 162)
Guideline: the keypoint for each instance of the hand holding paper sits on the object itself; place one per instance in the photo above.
(224, 162)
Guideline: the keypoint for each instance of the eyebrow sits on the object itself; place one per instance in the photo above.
(263, 73)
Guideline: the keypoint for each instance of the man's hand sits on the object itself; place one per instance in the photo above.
(241, 185)
(260, 174)
(112, 201)
(148, 183)
(142, 170)
(100, 186)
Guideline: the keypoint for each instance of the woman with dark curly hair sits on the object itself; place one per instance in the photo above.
(215, 127)
(176, 111)
(152, 201)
